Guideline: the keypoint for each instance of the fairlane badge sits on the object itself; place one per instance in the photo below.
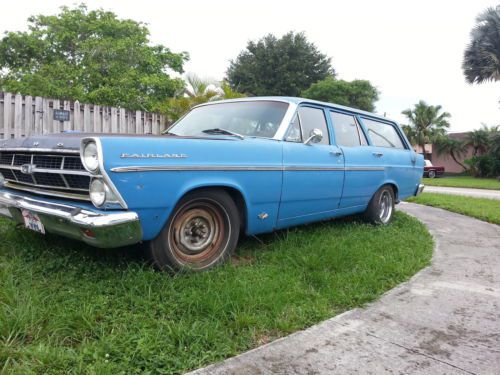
(153, 156)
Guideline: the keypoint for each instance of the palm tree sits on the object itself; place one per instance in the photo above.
(427, 122)
(454, 148)
(198, 87)
(479, 140)
(197, 91)
(482, 56)
(410, 134)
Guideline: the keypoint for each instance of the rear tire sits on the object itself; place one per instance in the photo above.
(380, 210)
(202, 232)
(431, 174)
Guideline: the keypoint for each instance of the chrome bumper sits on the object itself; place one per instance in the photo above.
(420, 189)
(107, 230)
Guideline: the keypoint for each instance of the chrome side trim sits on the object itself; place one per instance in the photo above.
(365, 168)
(300, 168)
(34, 149)
(104, 174)
(151, 168)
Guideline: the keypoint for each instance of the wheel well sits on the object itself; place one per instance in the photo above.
(395, 190)
(235, 195)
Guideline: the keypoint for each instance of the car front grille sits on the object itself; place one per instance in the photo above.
(58, 174)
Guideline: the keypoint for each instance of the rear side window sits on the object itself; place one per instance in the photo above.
(347, 131)
(382, 134)
(313, 118)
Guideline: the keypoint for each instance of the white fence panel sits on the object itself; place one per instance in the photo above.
(22, 116)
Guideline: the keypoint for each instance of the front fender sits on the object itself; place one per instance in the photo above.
(153, 194)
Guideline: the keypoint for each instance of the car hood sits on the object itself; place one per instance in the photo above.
(71, 141)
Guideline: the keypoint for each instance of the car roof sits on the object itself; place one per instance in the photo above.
(298, 100)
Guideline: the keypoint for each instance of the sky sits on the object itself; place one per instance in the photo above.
(410, 50)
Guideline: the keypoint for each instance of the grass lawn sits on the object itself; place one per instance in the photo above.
(480, 208)
(464, 181)
(66, 308)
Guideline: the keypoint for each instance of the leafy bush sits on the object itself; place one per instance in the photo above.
(359, 94)
(484, 166)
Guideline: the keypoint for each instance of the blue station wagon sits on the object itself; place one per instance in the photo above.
(229, 167)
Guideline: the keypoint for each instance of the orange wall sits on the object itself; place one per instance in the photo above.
(448, 163)
(445, 160)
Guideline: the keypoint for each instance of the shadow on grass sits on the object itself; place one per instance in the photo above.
(32, 246)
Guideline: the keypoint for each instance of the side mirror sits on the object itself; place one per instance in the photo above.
(315, 136)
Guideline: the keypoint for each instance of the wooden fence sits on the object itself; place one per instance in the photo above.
(21, 116)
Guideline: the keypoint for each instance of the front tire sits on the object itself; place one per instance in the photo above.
(380, 210)
(202, 232)
(431, 174)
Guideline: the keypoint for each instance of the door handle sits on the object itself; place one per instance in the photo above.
(336, 153)
(378, 154)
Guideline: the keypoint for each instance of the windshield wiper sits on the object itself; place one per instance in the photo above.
(169, 133)
(222, 131)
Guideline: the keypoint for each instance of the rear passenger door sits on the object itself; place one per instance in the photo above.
(394, 154)
(363, 170)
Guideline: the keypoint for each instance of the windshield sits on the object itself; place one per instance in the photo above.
(246, 118)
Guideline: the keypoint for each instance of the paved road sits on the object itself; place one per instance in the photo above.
(445, 320)
(477, 193)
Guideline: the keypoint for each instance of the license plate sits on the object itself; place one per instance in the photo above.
(33, 222)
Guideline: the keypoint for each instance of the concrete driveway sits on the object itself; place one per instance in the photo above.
(445, 320)
(476, 193)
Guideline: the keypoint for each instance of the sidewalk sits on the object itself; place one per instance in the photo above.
(445, 320)
(476, 193)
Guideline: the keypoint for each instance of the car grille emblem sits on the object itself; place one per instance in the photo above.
(28, 168)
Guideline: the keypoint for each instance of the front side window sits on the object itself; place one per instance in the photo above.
(247, 118)
(294, 134)
(313, 118)
(347, 131)
(383, 134)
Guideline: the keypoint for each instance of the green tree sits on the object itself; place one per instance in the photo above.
(91, 56)
(197, 91)
(452, 147)
(284, 66)
(359, 94)
(428, 123)
(410, 134)
(479, 140)
(482, 56)
(486, 142)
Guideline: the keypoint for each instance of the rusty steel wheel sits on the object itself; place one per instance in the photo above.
(201, 232)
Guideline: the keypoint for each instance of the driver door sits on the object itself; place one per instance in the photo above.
(313, 174)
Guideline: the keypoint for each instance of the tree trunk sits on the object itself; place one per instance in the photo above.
(456, 161)
(423, 149)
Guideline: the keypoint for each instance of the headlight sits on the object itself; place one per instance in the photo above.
(98, 191)
(90, 157)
